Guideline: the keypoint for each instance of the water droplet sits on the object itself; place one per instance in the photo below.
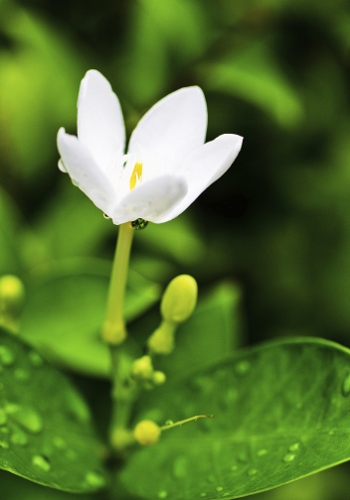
(180, 467)
(42, 462)
(95, 479)
(162, 494)
(242, 457)
(262, 452)
(22, 375)
(331, 432)
(7, 357)
(294, 447)
(169, 422)
(289, 457)
(203, 495)
(4, 445)
(59, 442)
(219, 488)
(25, 416)
(3, 417)
(19, 437)
(35, 359)
(346, 385)
(234, 467)
(252, 472)
(242, 367)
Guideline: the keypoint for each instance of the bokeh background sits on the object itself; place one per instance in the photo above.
(277, 225)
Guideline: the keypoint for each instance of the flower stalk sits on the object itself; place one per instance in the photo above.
(114, 330)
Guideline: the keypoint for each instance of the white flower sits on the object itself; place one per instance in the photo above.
(167, 165)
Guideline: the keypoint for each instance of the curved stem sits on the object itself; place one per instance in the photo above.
(114, 331)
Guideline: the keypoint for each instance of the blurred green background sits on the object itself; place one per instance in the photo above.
(278, 223)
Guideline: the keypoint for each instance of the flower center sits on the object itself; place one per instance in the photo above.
(136, 175)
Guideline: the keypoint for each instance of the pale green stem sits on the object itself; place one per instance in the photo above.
(114, 330)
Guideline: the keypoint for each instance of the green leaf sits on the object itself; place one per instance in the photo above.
(282, 411)
(46, 433)
(64, 313)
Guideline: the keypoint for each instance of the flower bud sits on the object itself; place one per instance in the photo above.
(11, 293)
(162, 339)
(159, 378)
(11, 300)
(179, 299)
(147, 432)
(142, 369)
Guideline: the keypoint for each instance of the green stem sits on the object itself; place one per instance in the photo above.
(114, 330)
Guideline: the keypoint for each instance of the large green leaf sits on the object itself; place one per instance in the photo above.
(46, 434)
(63, 313)
(282, 411)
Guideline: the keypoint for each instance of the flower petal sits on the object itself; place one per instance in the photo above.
(151, 200)
(172, 128)
(100, 121)
(204, 166)
(84, 172)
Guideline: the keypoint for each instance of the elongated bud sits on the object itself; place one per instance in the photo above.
(179, 299)
(147, 432)
(11, 300)
(162, 340)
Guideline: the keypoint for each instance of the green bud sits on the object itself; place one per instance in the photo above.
(11, 300)
(159, 378)
(162, 339)
(11, 293)
(179, 299)
(142, 369)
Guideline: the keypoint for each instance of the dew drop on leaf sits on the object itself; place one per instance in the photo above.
(289, 457)
(7, 357)
(25, 416)
(95, 479)
(294, 447)
(162, 494)
(203, 495)
(346, 386)
(4, 445)
(22, 375)
(262, 452)
(252, 472)
(242, 367)
(19, 437)
(219, 488)
(35, 359)
(59, 442)
(234, 467)
(41, 462)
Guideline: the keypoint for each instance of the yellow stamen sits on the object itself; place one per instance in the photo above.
(136, 175)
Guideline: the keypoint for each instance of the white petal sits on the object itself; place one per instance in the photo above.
(84, 172)
(100, 120)
(172, 128)
(151, 200)
(204, 166)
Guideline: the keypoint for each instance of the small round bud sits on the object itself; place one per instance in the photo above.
(147, 432)
(11, 294)
(159, 378)
(121, 438)
(142, 368)
(179, 299)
